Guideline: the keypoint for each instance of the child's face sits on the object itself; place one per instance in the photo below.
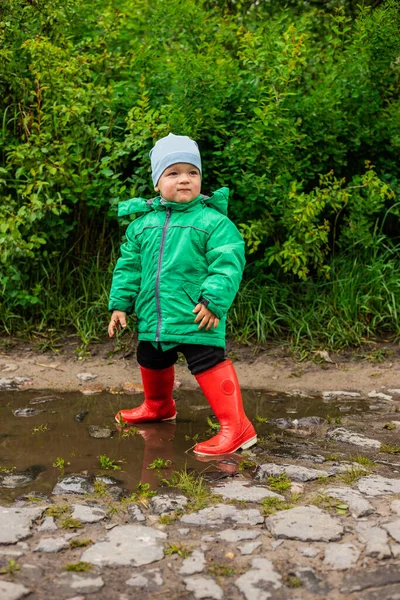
(180, 182)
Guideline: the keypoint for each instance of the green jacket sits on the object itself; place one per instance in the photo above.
(176, 255)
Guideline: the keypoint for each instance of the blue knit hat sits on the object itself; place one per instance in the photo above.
(170, 150)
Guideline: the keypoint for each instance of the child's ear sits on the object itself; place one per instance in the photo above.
(156, 189)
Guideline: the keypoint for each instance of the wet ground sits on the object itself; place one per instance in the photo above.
(45, 435)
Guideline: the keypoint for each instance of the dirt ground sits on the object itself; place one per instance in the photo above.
(375, 367)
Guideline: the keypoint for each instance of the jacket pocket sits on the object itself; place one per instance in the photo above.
(192, 291)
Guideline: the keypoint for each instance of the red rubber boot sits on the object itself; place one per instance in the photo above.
(221, 388)
(158, 403)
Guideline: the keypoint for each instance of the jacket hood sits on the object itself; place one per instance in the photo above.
(218, 200)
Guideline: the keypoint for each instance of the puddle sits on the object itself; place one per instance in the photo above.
(39, 428)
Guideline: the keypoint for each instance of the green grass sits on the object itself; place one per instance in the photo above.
(272, 505)
(280, 483)
(77, 543)
(358, 303)
(11, 568)
(79, 567)
(179, 549)
(159, 463)
(389, 449)
(107, 463)
(193, 486)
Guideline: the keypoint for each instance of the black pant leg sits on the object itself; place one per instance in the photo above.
(153, 358)
(201, 358)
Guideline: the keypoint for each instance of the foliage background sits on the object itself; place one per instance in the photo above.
(295, 107)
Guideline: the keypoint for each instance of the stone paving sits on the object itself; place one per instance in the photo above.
(281, 531)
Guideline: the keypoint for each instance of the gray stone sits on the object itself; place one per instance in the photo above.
(81, 582)
(371, 578)
(135, 514)
(87, 514)
(195, 563)
(241, 490)
(33, 572)
(139, 581)
(237, 535)
(11, 553)
(27, 412)
(52, 544)
(164, 503)
(49, 524)
(309, 551)
(184, 531)
(294, 472)
(340, 557)
(85, 377)
(127, 545)
(99, 433)
(203, 587)
(312, 582)
(155, 575)
(255, 583)
(15, 523)
(13, 383)
(249, 548)
(43, 399)
(340, 434)
(394, 391)
(375, 538)
(332, 395)
(380, 395)
(306, 523)
(358, 505)
(395, 549)
(19, 479)
(390, 592)
(74, 484)
(220, 513)
(393, 529)
(12, 591)
(375, 485)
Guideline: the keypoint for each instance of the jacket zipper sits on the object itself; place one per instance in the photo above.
(158, 276)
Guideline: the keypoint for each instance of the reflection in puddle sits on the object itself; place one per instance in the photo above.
(72, 431)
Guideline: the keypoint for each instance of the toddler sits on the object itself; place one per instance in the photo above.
(180, 270)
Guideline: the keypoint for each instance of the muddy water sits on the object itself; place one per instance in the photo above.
(36, 441)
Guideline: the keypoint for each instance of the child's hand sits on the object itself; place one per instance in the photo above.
(205, 316)
(118, 320)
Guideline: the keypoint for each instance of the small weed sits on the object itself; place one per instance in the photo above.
(40, 428)
(130, 432)
(168, 519)
(212, 425)
(327, 502)
(272, 505)
(159, 463)
(293, 582)
(60, 463)
(7, 469)
(260, 419)
(364, 461)
(194, 438)
(279, 483)
(70, 523)
(379, 355)
(192, 485)
(58, 510)
(107, 463)
(11, 568)
(219, 570)
(389, 426)
(112, 510)
(100, 489)
(76, 543)
(332, 457)
(389, 449)
(322, 479)
(334, 420)
(79, 567)
(120, 420)
(178, 549)
(246, 465)
(141, 496)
